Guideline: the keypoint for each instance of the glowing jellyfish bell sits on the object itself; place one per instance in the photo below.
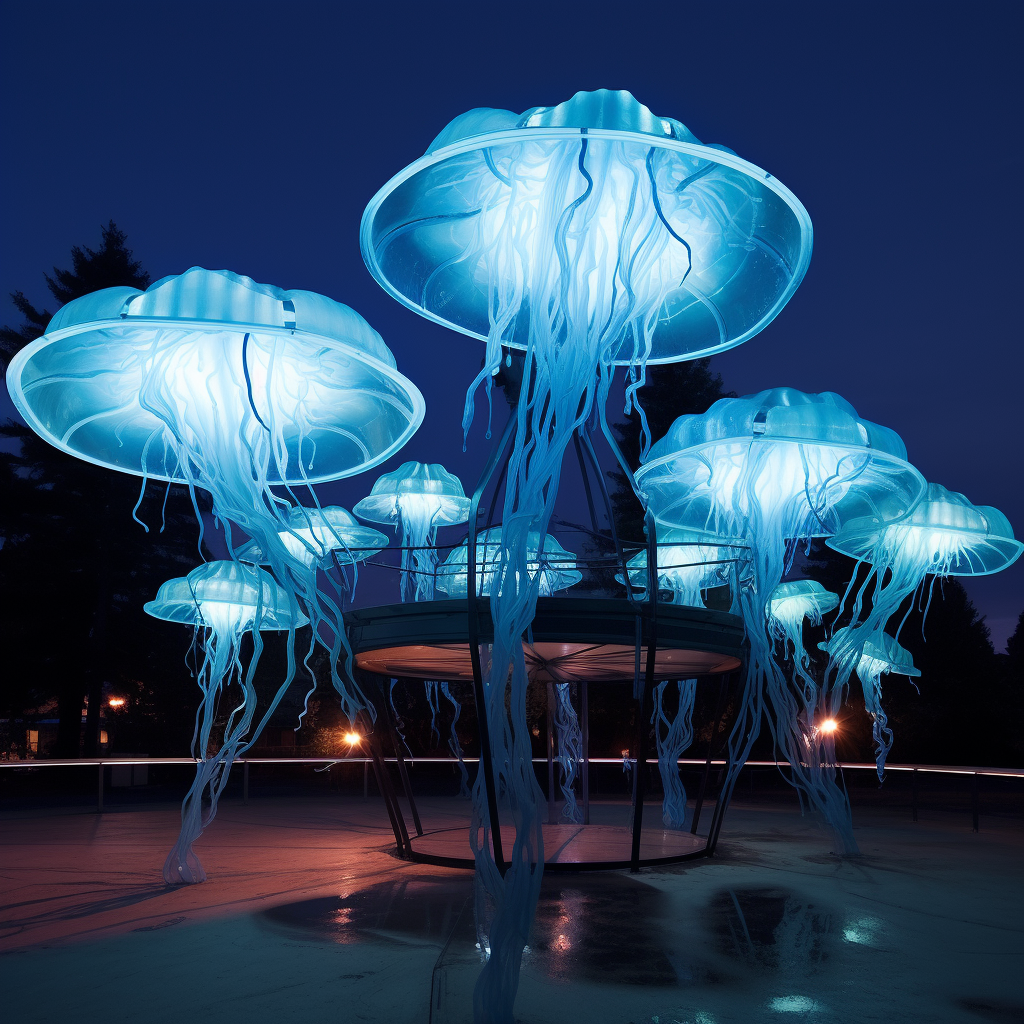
(416, 498)
(590, 234)
(225, 600)
(944, 535)
(873, 658)
(551, 567)
(319, 536)
(776, 468)
(689, 562)
(215, 381)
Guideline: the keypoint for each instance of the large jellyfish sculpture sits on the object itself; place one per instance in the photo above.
(777, 468)
(222, 601)
(416, 499)
(875, 658)
(589, 234)
(324, 539)
(214, 381)
(944, 535)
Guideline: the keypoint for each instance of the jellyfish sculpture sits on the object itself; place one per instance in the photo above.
(222, 601)
(214, 381)
(416, 499)
(789, 607)
(673, 735)
(569, 737)
(775, 469)
(875, 658)
(944, 535)
(329, 540)
(589, 234)
(689, 562)
(549, 567)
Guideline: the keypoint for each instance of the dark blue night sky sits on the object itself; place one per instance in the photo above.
(250, 136)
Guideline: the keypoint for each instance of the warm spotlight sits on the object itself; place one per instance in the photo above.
(352, 738)
(829, 726)
(116, 702)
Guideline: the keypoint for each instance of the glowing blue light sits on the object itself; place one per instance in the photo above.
(554, 568)
(673, 735)
(793, 1004)
(416, 498)
(772, 469)
(588, 235)
(227, 600)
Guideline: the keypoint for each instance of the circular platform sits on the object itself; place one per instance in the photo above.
(566, 847)
(571, 638)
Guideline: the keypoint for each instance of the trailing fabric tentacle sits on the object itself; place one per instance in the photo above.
(570, 750)
(454, 745)
(674, 736)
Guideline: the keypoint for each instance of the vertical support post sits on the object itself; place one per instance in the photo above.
(647, 692)
(585, 767)
(99, 790)
(245, 784)
(403, 772)
(366, 781)
(974, 802)
(552, 802)
(913, 794)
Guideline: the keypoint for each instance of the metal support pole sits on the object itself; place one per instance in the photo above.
(366, 781)
(647, 693)
(552, 802)
(585, 767)
(913, 794)
(479, 694)
(403, 772)
(245, 784)
(974, 802)
(99, 791)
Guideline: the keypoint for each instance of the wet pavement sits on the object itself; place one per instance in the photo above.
(307, 917)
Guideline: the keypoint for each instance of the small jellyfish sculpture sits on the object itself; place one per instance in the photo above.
(323, 539)
(944, 535)
(589, 234)
(789, 607)
(214, 381)
(775, 469)
(222, 601)
(416, 499)
(689, 562)
(549, 567)
(875, 657)
(673, 734)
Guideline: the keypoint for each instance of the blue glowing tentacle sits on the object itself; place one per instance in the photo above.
(454, 745)
(678, 735)
(430, 687)
(570, 750)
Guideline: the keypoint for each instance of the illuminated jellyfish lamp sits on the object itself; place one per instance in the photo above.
(213, 380)
(416, 499)
(226, 600)
(944, 535)
(689, 562)
(793, 603)
(550, 565)
(590, 234)
(875, 657)
(778, 468)
(320, 536)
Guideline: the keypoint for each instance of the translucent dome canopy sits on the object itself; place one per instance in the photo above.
(739, 241)
(227, 597)
(879, 655)
(416, 488)
(945, 534)
(115, 365)
(807, 456)
(313, 533)
(797, 600)
(556, 566)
